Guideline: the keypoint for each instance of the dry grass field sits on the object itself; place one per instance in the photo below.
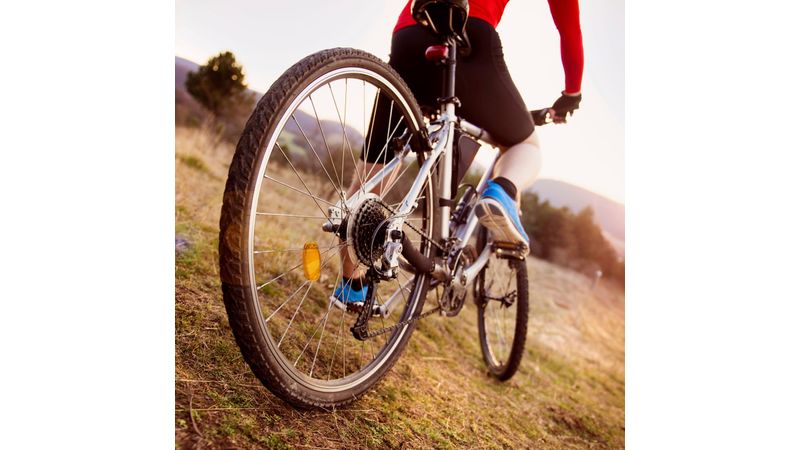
(568, 393)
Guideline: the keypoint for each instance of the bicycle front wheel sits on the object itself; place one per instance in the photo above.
(288, 178)
(501, 296)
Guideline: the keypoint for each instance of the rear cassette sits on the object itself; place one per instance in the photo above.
(367, 230)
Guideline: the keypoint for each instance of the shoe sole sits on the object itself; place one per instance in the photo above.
(490, 215)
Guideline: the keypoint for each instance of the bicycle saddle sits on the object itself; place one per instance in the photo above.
(445, 18)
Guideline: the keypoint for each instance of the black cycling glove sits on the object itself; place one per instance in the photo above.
(566, 104)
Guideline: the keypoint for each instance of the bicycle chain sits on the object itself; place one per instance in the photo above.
(368, 334)
(360, 328)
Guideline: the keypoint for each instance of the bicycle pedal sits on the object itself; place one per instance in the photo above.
(358, 307)
(510, 250)
(509, 245)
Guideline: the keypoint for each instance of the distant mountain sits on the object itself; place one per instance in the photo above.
(308, 123)
(182, 69)
(608, 214)
(185, 104)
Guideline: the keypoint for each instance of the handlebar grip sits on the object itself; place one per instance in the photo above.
(541, 116)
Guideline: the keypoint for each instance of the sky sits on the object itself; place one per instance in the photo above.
(267, 37)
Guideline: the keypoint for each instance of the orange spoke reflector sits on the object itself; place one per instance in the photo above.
(311, 261)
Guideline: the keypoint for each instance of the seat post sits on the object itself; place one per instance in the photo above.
(449, 87)
(447, 108)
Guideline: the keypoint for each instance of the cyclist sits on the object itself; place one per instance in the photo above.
(488, 99)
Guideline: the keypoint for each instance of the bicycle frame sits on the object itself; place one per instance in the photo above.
(441, 133)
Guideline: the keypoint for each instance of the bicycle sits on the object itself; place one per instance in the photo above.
(284, 196)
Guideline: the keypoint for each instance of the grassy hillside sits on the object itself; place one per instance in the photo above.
(569, 392)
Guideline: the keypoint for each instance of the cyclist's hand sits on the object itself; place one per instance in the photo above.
(565, 105)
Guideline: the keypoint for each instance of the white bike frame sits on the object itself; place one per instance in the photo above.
(440, 134)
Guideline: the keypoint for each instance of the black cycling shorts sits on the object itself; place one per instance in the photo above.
(489, 98)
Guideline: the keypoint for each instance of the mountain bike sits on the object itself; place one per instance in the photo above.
(288, 221)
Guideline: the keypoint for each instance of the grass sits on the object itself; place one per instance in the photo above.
(194, 162)
(568, 393)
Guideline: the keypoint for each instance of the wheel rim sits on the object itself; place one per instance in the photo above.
(303, 347)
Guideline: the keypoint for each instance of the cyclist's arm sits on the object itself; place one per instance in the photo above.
(566, 16)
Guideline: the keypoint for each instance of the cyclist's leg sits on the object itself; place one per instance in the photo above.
(516, 170)
(520, 163)
(490, 99)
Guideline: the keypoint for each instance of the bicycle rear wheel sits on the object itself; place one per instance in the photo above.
(501, 296)
(288, 177)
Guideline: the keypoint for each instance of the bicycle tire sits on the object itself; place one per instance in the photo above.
(235, 249)
(502, 368)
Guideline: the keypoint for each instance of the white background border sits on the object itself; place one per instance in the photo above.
(87, 183)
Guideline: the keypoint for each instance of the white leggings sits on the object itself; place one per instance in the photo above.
(520, 163)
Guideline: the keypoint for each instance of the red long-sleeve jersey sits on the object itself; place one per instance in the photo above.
(566, 16)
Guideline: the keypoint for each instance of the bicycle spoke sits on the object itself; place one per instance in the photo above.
(509, 280)
(301, 286)
(323, 322)
(325, 140)
(369, 138)
(371, 348)
(403, 287)
(364, 129)
(314, 151)
(346, 83)
(319, 344)
(259, 252)
(296, 266)
(397, 179)
(299, 191)
(288, 299)
(386, 145)
(384, 153)
(293, 216)
(499, 322)
(294, 315)
(344, 131)
(344, 353)
(315, 329)
(305, 346)
(321, 335)
(297, 310)
(302, 181)
(500, 341)
(406, 286)
(504, 313)
(336, 345)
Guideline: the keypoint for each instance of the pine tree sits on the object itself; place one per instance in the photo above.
(219, 84)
